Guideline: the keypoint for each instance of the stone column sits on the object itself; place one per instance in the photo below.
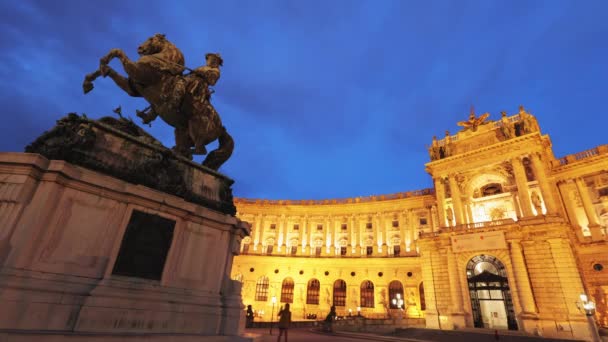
(281, 236)
(440, 194)
(518, 212)
(429, 220)
(456, 200)
(543, 182)
(470, 219)
(402, 231)
(412, 225)
(302, 224)
(594, 225)
(455, 290)
(329, 241)
(522, 187)
(353, 234)
(565, 188)
(256, 232)
(522, 280)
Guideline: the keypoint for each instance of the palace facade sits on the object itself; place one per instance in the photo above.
(508, 238)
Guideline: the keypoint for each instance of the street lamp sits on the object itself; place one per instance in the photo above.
(274, 301)
(589, 307)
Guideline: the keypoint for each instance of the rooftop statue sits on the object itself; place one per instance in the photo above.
(473, 122)
(182, 101)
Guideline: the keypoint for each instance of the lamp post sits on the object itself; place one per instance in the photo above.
(274, 301)
(589, 307)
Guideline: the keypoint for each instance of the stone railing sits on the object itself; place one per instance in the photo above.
(363, 199)
(469, 226)
(571, 158)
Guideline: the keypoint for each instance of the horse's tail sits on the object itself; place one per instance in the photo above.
(216, 158)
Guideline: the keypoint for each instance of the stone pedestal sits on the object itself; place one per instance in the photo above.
(111, 235)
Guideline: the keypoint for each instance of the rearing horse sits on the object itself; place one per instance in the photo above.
(154, 77)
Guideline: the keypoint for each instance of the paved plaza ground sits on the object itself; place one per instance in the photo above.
(414, 335)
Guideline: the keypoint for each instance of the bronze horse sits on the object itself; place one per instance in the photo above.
(154, 76)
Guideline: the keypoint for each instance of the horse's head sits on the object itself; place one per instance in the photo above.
(152, 45)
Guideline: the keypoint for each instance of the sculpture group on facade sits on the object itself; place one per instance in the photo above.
(525, 123)
(181, 100)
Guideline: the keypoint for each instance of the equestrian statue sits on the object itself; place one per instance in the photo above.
(181, 100)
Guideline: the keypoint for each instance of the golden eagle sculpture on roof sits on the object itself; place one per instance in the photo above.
(474, 121)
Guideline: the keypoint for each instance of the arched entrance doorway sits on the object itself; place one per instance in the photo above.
(490, 294)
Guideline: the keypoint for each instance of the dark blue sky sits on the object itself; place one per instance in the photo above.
(327, 98)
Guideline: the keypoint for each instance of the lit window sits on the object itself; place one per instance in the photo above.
(339, 293)
(261, 289)
(367, 294)
(312, 292)
(287, 291)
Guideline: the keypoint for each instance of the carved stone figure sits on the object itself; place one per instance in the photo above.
(447, 145)
(434, 150)
(507, 128)
(449, 214)
(182, 101)
(536, 201)
(528, 121)
(473, 122)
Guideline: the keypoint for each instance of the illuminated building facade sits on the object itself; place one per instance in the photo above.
(508, 238)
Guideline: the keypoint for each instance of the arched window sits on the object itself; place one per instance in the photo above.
(367, 294)
(312, 291)
(261, 289)
(422, 300)
(287, 291)
(491, 189)
(339, 293)
(395, 291)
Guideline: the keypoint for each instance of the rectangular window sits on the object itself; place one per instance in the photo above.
(369, 250)
(423, 221)
(245, 249)
(368, 225)
(344, 226)
(296, 227)
(269, 249)
(396, 250)
(603, 192)
(273, 226)
(294, 250)
(343, 250)
(318, 251)
(319, 227)
(144, 246)
(395, 224)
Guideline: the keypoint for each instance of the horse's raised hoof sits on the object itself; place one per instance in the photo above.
(200, 150)
(104, 70)
(87, 87)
